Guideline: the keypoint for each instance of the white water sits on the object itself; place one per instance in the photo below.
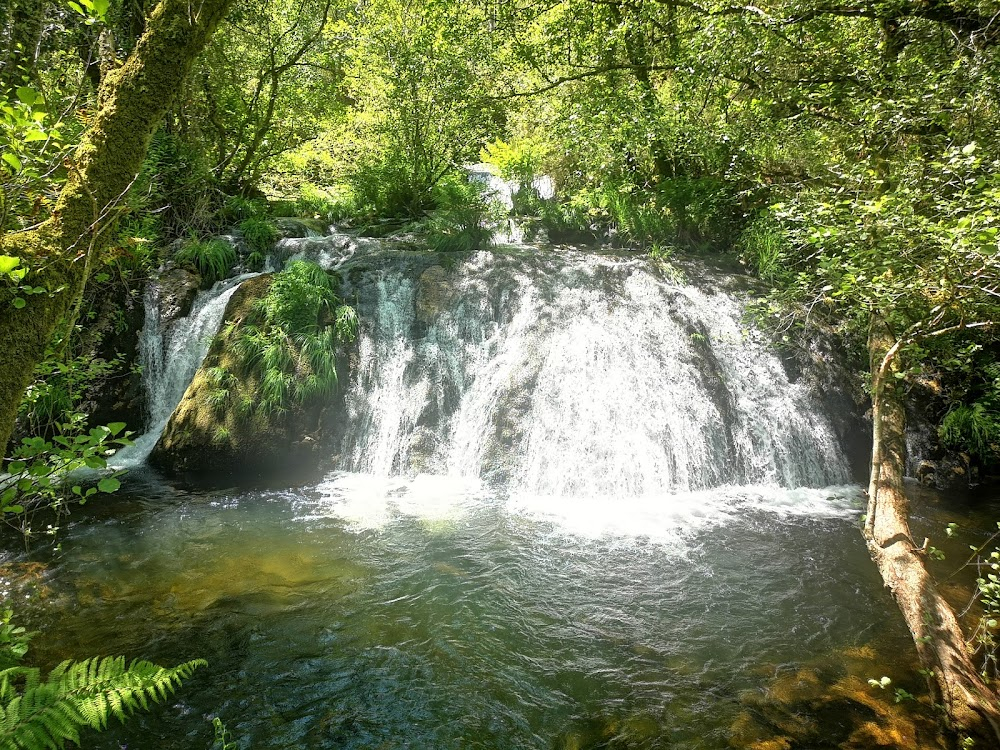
(579, 376)
(171, 355)
(570, 381)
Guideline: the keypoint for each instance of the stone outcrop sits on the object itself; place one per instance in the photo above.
(174, 290)
(216, 431)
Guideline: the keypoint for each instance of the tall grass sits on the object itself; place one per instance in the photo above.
(213, 259)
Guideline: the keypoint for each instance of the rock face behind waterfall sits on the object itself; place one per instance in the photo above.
(212, 436)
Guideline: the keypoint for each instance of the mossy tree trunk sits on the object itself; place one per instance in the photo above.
(971, 708)
(61, 251)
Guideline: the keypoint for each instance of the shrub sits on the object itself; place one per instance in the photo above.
(238, 208)
(385, 188)
(463, 217)
(259, 233)
(176, 182)
(765, 248)
(213, 259)
(315, 203)
(973, 427)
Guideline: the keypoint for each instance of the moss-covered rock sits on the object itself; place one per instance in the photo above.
(219, 429)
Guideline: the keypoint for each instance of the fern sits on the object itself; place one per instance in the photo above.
(46, 714)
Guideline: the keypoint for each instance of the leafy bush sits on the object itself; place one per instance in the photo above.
(519, 162)
(50, 401)
(237, 208)
(463, 217)
(213, 259)
(260, 234)
(177, 186)
(38, 476)
(765, 248)
(973, 427)
(385, 189)
(315, 203)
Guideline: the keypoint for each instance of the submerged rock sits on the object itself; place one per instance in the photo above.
(830, 703)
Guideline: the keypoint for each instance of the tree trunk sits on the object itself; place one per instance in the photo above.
(971, 708)
(60, 252)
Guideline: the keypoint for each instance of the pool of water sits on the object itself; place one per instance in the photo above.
(429, 613)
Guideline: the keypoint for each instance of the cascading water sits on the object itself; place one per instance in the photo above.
(574, 375)
(577, 504)
(170, 355)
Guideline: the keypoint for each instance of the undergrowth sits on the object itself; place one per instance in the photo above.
(213, 259)
(288, 343)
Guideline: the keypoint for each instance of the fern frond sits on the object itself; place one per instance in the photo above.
(80, 694)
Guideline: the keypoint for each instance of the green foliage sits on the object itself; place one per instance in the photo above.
(520, 161)
(177, 187)
(223, 737)
(384, 187)
(260, 234)
(237, 208)
(987, 633)
(213, 259)
(288, 346)
(973, 427)
(51, 401)
(12, 276)
(14, 641)
(463, 219)
(47, 713)
(765, 250)
(40, 473)
(315, 203)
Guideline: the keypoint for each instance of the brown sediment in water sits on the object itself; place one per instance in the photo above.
(24, 580)
(830, 703)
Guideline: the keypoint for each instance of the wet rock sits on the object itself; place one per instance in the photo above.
(435, 293)
(174, 291)
(118, 397)
(298, 227)
(216, 431)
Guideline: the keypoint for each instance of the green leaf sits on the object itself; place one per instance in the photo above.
(35, 135)
(12, 160)
(18, 302)
(13, 509)
(116, 427)
(8, 263)
(27, 95)
(109, 484)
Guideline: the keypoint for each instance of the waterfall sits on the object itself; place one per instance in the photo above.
(574, 374)
(171, 354)
(555, 374)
